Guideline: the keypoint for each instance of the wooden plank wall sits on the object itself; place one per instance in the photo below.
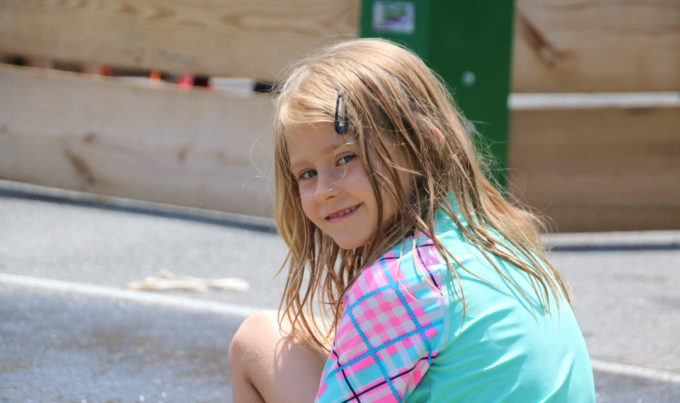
(199, 148)
(604, 167)
(559, 46)
(599, 168)
(596, 46)
(235, 38)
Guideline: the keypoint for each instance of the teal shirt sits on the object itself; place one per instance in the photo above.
(502, 348)
(404, 335)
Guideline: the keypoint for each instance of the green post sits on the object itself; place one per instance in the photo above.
(469, 44)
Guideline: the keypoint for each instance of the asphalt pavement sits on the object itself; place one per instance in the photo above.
(71, 329)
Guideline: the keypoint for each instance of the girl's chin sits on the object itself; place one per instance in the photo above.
(350, 243)
(350, 246)
(345, 244)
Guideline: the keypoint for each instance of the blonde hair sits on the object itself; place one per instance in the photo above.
(392, 98)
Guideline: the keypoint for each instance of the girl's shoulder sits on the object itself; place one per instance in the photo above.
(412, 267)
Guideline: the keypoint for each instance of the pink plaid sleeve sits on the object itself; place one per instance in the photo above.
(390, 330)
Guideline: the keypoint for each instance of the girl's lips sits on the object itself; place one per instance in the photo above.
(341, 214)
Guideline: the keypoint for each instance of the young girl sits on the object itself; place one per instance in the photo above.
(409, 276)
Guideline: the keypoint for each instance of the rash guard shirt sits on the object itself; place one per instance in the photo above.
(404, 335)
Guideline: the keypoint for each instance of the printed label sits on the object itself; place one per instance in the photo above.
(394, 16)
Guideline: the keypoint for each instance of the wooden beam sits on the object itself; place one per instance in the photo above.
(255, 38)
(559, 45)
(596, 46)
(599, 168)
(602, 167)
(199, 148)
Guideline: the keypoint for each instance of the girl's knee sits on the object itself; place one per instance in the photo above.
(252, 339)
(263, 359)
(257, 326)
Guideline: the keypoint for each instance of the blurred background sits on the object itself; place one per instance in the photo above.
(135, 145)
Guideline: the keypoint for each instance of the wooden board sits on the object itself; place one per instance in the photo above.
(599, 168)
(602, 167)
(559, 45)
(198, 148)
(255, 38)
(596, 46)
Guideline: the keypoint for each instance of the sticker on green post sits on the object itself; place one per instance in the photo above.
(394, 16)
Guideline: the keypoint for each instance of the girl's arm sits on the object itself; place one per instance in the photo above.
(390, 331)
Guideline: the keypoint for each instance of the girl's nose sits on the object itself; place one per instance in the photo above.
(328, 186)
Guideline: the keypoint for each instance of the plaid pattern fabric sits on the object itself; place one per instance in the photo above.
(390, 331)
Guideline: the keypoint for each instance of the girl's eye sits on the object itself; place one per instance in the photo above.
(346, 158)
(309, 173)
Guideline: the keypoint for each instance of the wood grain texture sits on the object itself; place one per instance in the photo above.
(589, 169)
(596, 46)
(198, 148)
(255, 38)
(559, 45)
(598, 169)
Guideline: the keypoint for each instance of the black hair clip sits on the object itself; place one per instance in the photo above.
(341, 128)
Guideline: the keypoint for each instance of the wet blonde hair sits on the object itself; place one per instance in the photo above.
(392, 98)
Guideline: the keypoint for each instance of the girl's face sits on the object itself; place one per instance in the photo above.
(335, 191)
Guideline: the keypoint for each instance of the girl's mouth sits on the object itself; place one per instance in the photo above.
(339, 215)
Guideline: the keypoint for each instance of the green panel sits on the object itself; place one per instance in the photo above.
(469, 44)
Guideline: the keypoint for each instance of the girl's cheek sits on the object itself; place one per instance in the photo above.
(356, 173)
(306, 191)
(307, 202)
